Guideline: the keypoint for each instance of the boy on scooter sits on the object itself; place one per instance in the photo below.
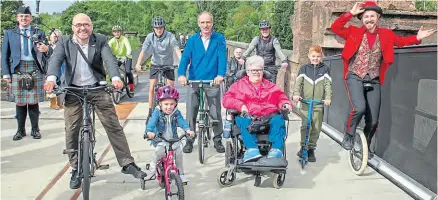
(165, 120)
(313, 82)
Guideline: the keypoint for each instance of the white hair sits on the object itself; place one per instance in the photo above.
(255, 61)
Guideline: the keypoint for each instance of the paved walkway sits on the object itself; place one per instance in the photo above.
(37, 167)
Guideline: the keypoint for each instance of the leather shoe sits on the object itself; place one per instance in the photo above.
(19, 135)
(75, 181)
(133, 169)
(36, 133)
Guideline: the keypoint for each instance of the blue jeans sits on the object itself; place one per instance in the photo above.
(276, 133)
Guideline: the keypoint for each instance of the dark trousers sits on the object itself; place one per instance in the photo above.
(363, 102)
(212, 95)
(107, 114)
(273, 69)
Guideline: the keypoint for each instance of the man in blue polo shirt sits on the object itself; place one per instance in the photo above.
(206, 53)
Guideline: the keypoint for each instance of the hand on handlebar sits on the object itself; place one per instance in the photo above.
(296, 98)
(182, 80)
(138, 68)
(191, 133)
(241, 61)
(218, 80)
(149, 135)
(49, 85)
(118, 84)
(327, 102)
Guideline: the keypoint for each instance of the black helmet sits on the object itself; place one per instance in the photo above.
(158, 22)
(264, 24)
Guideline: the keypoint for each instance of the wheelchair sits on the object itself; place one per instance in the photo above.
(235, 149)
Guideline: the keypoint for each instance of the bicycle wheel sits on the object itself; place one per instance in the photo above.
(116, 95)
(358, 156)
(179, 187)
(128, 90)
(86, 165)
(201, 145)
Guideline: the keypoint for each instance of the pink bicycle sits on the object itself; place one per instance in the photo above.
(167, 173)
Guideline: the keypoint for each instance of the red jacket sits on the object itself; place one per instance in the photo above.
(268, 100)
(353, 36)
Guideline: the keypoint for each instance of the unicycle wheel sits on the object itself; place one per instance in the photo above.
(358, 156)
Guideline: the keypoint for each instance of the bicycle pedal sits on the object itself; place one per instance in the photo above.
(214, 121)
(69, 151)
(102, 167)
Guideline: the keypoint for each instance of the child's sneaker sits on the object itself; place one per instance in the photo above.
(150, 172)
(311, 155)
(184, 178)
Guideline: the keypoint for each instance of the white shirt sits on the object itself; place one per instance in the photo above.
(83, 74)
(206, 42)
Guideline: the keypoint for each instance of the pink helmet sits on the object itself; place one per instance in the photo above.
(167, 92)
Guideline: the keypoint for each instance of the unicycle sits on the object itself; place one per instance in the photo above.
(304, 156)
(358, 156)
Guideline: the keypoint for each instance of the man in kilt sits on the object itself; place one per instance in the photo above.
(23, 68)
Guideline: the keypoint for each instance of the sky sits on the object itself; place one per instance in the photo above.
(49, 6)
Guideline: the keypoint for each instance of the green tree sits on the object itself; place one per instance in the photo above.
(426, 5)
(8, 14)
(281, 23)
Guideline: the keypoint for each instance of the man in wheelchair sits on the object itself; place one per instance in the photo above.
(260, 102)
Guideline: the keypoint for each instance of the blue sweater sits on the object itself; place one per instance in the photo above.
(204, 65)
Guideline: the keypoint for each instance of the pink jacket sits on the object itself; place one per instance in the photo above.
(268, 100)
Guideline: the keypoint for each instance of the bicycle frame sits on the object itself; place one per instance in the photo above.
(86, 128)
(168, 163)
(203, 112)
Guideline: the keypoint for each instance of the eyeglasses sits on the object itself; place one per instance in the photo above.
(255, 70)
(79, 25)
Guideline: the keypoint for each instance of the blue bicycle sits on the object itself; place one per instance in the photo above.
(304, 155)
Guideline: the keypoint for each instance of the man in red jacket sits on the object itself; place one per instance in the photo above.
(367, 54)
(259, 98)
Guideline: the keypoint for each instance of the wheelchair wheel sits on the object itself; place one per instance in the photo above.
(225, 180)
(358, 156)
(228, 153)
(279, 180)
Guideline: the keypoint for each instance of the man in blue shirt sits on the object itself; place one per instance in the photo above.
(206, 53)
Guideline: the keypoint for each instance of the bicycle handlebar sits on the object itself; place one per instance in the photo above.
(164, 67)
(59, 90)
(307, 101)
(173, 140)
(204, 82)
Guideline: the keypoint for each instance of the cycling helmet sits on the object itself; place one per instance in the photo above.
(117, 28)
(158, 22)
(264, 24)
(167, 92)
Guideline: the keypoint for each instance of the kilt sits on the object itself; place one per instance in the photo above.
(22, 96)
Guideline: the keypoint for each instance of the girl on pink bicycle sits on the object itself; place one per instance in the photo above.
(165, 120)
